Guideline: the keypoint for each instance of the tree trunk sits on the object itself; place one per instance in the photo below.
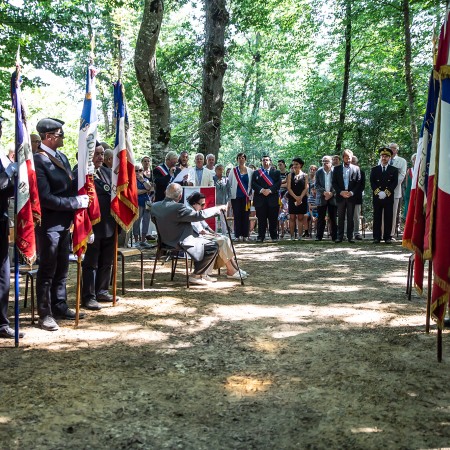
(408, 74)
(150, 81)
(348, 50)
(216, 20)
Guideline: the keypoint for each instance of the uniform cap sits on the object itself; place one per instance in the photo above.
(47, 125)
(385, 151)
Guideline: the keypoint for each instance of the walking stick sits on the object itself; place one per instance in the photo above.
(116, 245)
(232, 246)
(77, 301)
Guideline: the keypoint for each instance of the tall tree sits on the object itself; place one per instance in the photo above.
(214, 67)
(150, 81)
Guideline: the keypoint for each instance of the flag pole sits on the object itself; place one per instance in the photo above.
(16, 253)
(77, 301)
(430, 275)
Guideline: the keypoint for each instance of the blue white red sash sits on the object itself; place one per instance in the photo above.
(265, 177)
(239, 181)
(163, 169)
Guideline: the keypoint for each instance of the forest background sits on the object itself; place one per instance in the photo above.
(283, 77)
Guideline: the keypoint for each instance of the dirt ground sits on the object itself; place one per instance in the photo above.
(320, 349)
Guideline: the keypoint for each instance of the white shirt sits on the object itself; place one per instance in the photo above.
(402, 166)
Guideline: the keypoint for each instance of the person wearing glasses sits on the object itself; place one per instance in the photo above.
(325, 199)
(57, 195)
(225, 256)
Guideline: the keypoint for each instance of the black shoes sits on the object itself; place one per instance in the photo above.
(389, 241)
(358, 238)
(338, 241)
(69, 314)
(376, 241)
(9, 333)
(351, 241)
(259, 239)
(92, 304)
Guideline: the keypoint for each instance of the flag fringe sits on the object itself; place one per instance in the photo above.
(82, 244)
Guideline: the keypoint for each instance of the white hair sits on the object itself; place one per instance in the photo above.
(174, 191)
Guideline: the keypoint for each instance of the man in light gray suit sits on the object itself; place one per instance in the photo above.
(174, 222)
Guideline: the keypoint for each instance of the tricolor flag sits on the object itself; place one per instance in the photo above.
(413, 236)
(210, 198)
(28, 206)
(85, 218)
(441, 223)
(124, 199)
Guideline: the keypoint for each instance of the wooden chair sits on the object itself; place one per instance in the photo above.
(172, 253)
(125, 253)
(410, 278)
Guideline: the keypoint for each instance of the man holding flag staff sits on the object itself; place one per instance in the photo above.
(58, 203)
(7, 171)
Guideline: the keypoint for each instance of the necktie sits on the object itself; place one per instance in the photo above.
(384, 169)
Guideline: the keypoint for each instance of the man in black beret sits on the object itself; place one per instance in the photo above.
(383, 180)
(57, 195)
(7, 171)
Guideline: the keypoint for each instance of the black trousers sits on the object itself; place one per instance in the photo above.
(241, 217)
(270, 213)
(97, 265)
(4, 274)
(380, 206)
(322, 212)
(345, 209)
(51, 276)
(211, 250)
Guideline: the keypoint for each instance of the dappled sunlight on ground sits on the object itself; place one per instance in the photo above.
(244, 386)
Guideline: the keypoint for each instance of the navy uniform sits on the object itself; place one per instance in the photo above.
(383, 181)
(57, 195)
(7, 170)
(99, 255)
(267, 207)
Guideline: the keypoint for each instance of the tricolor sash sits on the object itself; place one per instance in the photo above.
(164, 171)
(265, 177)
(239, 181)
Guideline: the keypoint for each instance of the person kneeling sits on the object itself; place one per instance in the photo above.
(225, 258)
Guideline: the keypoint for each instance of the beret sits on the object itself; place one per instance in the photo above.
(48, 124)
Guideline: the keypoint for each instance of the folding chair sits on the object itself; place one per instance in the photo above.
(171, 252)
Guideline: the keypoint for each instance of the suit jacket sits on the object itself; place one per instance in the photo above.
(6, 191)
(207, 177)
(354, 184)
(320, 188)
(384, 181)
(174, 221)
(57, 191)
(162, 181)
(258, 183)
(107, 225)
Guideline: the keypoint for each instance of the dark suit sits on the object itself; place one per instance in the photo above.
(267, 207)
(6, 191)
(58, 203)
(99, 255)
(324, 206)
(162, 181)
(383, 181)
(346, 206)
(174, 222)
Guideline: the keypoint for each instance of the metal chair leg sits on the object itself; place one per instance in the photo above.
(123, 275)
(142, 271)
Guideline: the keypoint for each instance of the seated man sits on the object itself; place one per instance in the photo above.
(174, 222)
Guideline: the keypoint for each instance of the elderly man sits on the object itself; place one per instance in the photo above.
(383, 180)
(35, 142)
(200, 175)
(210, 161)
(325, 199)
(99, 254)
(7, 171)
(107, 157)
(164, 174)
(174, 221)
(402, 166)
(347, 185)
(266, 183)
(58, 204)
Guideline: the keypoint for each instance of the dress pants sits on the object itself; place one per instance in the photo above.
(241, 217)
(4, 274)
(345, 209)
(322, 212)
(97, 266)
(264, 213)
(357, 220)
(382, 210)
(202, 267)
(51, 276)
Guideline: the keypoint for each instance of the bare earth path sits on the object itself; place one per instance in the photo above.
(320, 349)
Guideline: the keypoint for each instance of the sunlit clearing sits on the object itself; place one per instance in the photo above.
(246, 386)
(366, 430)
(4, 419)
(287, 334)
(266, 346)
(393, 278)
